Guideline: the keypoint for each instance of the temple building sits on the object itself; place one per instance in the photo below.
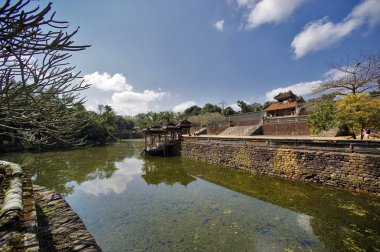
(288, 104)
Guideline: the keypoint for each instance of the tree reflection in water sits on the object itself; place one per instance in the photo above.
(156, 172)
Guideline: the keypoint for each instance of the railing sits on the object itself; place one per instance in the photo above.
(285, 119)
(246, 116)
(358, 146)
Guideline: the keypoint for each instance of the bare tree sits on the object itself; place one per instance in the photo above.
(355, 76)
(39, 89)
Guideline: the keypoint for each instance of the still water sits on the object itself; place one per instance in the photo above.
(131, 203)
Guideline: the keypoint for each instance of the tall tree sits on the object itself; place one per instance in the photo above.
(323, 118)
(361, 74)
(37, 85)
(193, 110)
(245, 108)
(210, 108)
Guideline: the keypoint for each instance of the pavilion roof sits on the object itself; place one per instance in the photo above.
(279, 106)
(285, 96)
(184, 123)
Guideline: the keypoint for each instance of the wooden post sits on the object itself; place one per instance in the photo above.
(165, 144)
(145, 142)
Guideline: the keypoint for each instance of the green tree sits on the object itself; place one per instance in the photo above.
(210, 108)
(322, 118)
(358, 111)
(193, 110)
(246, 108)
(228, 111)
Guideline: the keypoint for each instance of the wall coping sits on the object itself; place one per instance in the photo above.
(369, 146)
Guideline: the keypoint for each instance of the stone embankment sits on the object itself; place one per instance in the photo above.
(18, 219)
(341, 169)
(59, 227)
(33, 218)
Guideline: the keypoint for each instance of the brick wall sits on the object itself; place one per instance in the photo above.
(283, 128)
(347, 170)
(245, 123)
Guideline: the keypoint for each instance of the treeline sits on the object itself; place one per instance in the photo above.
(209, 113)
(105, 125)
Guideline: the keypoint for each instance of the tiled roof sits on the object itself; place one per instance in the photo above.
(278, 106)
(285, 96)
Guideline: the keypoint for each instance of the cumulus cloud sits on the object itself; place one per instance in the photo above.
(246, 3)
(234, 106)
(183, 106)
(117, 183)
(106, 82)
(322, 34)
(335, 74)
(219, 25)
(267, 11)
(302, 88)
(124, 100)
(133, 103)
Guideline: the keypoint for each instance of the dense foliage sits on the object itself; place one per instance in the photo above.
(322, 118)
(354, 111)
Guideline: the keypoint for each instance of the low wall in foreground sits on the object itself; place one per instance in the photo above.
(341, 169)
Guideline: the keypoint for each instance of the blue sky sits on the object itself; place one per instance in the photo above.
(170, 54)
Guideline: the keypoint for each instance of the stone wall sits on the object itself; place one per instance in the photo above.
(33, 218)
(348, 170)
(59, 227)
(18, 222)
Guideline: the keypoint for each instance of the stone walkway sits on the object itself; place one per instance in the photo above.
(59, 227)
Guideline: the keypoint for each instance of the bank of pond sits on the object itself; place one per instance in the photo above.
(134, 203)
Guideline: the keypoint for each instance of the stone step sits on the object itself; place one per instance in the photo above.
(241, 130)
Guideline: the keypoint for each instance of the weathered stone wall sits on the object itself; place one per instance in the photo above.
(59, 227)
(18, 227)
(347, 170)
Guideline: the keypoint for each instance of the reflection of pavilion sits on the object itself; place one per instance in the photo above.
(156, 173)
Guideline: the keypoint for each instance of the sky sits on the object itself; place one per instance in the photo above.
(171, 54)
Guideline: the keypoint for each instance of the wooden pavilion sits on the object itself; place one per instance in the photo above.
(165, 140)
(288, 104)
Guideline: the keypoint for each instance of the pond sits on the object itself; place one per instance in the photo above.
(132, 203)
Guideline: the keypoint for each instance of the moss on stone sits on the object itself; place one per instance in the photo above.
(48, 211)
(243, 158)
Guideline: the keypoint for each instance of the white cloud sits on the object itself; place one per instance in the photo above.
(219, 25)
(322, 34)
(368, 11)
(268, 11)
(246, 3)
(335, 74)
(106, 82)
(117, 183)
(234, 106)
(183, 106)
(125, 101)
(302, 88)
(132, 103)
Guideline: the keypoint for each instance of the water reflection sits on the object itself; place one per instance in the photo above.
(116, 183)
(64, 170)
(199, 206)
(156, 172)
(340, 219)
